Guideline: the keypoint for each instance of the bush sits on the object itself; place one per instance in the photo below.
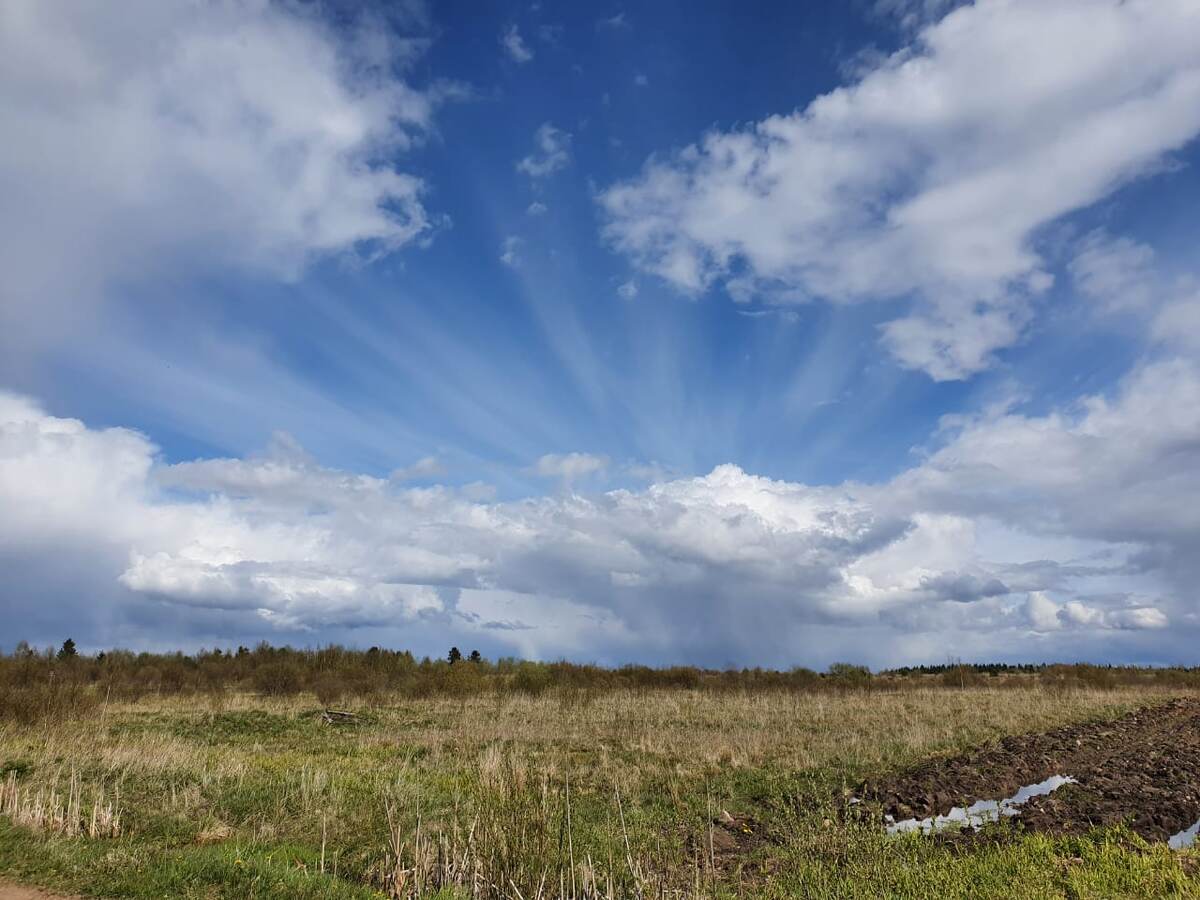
(278, 679)
(532, 679)
(848, 675)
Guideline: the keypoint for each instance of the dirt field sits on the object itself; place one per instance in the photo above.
(1141, 770)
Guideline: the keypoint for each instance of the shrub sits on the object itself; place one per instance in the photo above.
(277, 679)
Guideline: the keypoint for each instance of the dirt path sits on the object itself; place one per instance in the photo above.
(1142, 769)
(15, 892)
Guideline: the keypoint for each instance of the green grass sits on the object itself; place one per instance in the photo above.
(509, 794)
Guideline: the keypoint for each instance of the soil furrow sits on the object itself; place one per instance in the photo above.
(1142, 770)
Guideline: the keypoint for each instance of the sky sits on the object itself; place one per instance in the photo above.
(710, 333)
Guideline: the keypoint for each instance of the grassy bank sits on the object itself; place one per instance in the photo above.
(566, 793)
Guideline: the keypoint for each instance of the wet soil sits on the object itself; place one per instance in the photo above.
(1141, 770)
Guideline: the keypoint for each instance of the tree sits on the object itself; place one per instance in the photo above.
(475, 657)
(68, 650)
(454, 655)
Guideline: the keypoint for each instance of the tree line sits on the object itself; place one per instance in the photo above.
(63, 681)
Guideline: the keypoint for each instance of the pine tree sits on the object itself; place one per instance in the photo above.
(454, 655)
(68, 650)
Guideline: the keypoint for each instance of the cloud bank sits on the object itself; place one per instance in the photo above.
(1048, 536)
(929, 177)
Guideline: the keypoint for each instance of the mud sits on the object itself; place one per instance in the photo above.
(1141, 770)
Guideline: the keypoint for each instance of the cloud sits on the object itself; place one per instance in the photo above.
(1177, 323)
(1115, 272)
(1042, 612)
(929, 176)
(537, 208)
(570, 466)
(616, 22)
(425, 467)
(628, 290)
(243, 135)
(553, 152)
(913, 14)
(1046, 615)
(509, 251)
(514, 45)
(550, 34)
(1072, 525)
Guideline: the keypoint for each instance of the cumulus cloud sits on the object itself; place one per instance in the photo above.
(1046, 615)
(929, 176)
(247, 135)
(1069, 527)
(552, 154)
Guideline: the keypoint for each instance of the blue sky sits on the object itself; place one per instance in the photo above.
(673, 332)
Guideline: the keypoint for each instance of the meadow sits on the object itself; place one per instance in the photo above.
(157, 778)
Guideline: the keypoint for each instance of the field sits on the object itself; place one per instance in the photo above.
(657, 792)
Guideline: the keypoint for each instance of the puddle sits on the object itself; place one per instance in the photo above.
(984, 811)
(1185, 838)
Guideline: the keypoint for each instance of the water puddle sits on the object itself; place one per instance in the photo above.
(1185, 838)
(984, 811)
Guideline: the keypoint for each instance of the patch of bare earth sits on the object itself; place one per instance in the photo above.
(16, 892)
(1141, 770)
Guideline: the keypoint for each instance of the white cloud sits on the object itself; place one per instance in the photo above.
(570, 466)
(1177, 323)
(514, 45)
(616, 22)
(243, 134)
(1042, 612)
(913, 14)
(537, 208)
(1116, 272)
(553, 152)
(929, 175)
(425, 467)
(1074, 524)
(509, 251)
(628, 290)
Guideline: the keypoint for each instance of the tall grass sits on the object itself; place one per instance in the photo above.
(572, 791)
(60, 811)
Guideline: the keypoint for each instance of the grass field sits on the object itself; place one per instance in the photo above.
(568, 793)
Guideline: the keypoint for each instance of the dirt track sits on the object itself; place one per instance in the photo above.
(1142, 769)
(15, 892)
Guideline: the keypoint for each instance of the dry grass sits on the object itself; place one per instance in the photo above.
(490, 796)
(61, 811)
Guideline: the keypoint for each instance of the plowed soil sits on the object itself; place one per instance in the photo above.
(1142, 770)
